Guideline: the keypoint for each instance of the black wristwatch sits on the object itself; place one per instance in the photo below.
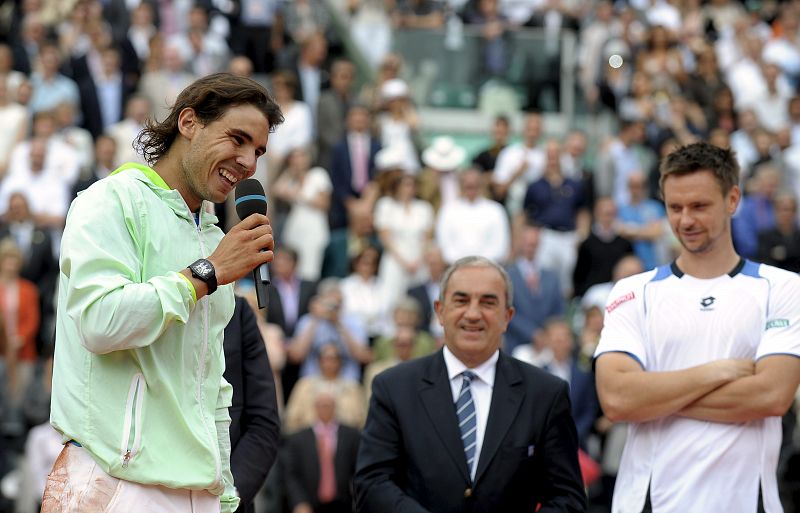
(204, 271)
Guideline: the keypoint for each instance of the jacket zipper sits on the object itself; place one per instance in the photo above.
(200, 374)
(132, 432)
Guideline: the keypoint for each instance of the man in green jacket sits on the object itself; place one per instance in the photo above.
(144, 296)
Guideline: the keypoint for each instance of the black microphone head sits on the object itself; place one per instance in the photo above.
(250, 198)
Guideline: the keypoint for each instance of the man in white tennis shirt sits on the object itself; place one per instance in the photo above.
(700, 357)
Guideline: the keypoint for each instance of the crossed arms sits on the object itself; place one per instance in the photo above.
(732, 390)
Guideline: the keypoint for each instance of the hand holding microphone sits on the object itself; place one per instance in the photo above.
(248, 245)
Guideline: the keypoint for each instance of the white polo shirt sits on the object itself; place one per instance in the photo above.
(667, 320)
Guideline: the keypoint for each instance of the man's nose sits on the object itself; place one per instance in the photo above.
(248, 163)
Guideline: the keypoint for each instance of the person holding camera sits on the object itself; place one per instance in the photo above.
(326, 324)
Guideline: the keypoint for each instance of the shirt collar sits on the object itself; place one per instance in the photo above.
(321, 428)
(526, 265)
(292, 282)
(485, 371)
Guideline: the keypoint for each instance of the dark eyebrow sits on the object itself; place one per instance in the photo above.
(460, 294)
(246, 136)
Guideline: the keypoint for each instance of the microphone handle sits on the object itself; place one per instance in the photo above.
(261, 281)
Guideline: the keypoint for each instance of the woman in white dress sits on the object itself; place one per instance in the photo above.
(297, 127)
(398, 124)
(405, 227)
(362, 293)
(308, 192)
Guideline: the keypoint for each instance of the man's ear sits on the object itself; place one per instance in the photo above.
(187, 122)
(734, 196)
(437, 308)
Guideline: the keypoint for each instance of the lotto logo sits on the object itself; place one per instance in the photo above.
(622, 299)
(777, 323)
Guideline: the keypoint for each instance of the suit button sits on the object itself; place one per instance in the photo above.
(468, 493)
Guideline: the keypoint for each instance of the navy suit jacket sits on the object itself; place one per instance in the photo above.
(426, 313)
(255, 429)
(583, 395)
(342, 179)
(532, 308)
(411, 458)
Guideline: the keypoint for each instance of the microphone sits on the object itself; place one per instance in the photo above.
(250, 199)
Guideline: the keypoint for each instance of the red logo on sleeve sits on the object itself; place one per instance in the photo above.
(622, 299)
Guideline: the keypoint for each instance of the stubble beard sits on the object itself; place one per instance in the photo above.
(191, 175)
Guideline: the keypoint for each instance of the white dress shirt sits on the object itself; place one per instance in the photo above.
(481, 388)
(479, 227)
(508, 161)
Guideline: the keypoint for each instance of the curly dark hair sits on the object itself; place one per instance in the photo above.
(210, 97)
(702, 156)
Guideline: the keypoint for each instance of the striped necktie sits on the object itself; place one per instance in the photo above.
(467, 420)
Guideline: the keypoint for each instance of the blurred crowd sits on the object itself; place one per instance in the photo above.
(368, 210)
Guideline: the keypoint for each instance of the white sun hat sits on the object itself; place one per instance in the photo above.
(444, 154)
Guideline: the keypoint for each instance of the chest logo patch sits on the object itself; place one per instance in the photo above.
(706, 302)
(620, 300)
(777, 323)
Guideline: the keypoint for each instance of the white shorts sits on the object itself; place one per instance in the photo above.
(78, 484)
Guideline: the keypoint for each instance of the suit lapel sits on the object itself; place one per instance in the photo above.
(525, 293)
(348, 178)
(313, 456)
(507, 396)
(437, 398)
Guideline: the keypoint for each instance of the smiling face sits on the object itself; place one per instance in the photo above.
(474, 313)
(220, 154)
(698, 212)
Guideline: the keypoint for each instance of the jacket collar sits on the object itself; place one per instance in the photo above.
(171, 197)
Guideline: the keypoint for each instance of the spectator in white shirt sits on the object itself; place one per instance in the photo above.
(47, 192)
(519, 165)
(472, 224)
(772, 105)
(205, 51)
(124, 132)
(60, 156)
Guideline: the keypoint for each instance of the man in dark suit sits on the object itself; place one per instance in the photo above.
(427, 293)
(312, 74)
(288, 299)
(469, 428)
(558, 337)
(255, 428)
(320, 461)
(103, 96)
(537, 291)
(352, 165)
(289, 296)
(39, 263)
(332, 110)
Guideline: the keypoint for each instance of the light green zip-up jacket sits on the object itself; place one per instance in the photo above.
(137, 377)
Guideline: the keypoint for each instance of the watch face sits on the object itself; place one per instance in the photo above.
(203, 267)
(204, 271)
